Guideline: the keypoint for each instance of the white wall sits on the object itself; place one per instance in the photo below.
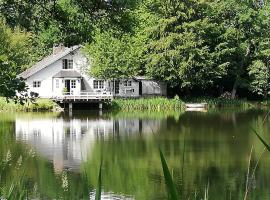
(151, 87)
(48, 83)
(125, 91)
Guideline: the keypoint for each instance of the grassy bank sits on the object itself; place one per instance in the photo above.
(156, 104)
(220, 102)
(38, 105)
(229, 103)
(164, 104)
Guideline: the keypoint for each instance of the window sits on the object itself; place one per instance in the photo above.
(127, 83)
(73, 83)
(98, 84)
(130, 91)
(101, 84)
(67, 64)
(95, 84)
(57, 83)
(36, 84)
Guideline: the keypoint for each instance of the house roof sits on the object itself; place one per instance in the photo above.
(47, 61)
(67, 74)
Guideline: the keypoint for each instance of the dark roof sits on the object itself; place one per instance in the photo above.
(47, 61)
(67, 74)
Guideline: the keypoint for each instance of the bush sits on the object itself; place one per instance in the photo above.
(38, 105)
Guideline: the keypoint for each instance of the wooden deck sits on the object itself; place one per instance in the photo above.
(84, 97)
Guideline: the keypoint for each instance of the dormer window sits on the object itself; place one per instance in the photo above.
(67, 64)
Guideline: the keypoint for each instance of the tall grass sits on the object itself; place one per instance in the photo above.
(154, 104)
(171, 188)
(99, 186)
(38, 105)
(267, 146)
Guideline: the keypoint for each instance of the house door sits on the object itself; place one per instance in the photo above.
(67, 86)
(140, 88)
(116, 87)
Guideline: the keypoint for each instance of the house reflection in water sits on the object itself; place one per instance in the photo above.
(67, 142)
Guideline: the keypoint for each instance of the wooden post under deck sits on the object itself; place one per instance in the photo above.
(100, 105)
(70, 107)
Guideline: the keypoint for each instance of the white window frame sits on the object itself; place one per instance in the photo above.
(70, 64)
(57, 83)
(98, 84)
(67, 64)
(127, 83)
(72, 84)
(36, 84)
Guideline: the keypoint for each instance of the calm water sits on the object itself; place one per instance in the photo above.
(55, 156)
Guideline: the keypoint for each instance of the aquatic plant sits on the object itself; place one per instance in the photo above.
(171, 188)
(98, 190)
(153, 104)
(267, 146)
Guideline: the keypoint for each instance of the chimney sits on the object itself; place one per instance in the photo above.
(58, 48)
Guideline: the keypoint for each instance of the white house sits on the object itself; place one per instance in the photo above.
(66, 73)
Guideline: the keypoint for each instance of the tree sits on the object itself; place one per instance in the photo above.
(260, 78)
(181, 47)
(113, 55)
(15, 48)
(245, 24)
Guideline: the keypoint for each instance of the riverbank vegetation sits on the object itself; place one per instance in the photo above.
(154, 104)
(166, 105)
(197, 47)
(37, 105)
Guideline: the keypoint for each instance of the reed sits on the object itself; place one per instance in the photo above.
(153, 104)
(171, 188)
(267, 146)
(99, 186)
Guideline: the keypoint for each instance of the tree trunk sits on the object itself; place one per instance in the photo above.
(234, 89)
(265, 94)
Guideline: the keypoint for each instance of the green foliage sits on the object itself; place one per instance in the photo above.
(38, 105)
(113, 56)
(259, 74)
(99, 186)
(14, 57)
(171, 188)
(155, 104)
(179, 48)
(262, 140)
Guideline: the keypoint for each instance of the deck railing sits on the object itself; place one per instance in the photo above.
(85, 96)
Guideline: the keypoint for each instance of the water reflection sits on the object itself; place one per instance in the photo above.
(203, 150)
(66, 142)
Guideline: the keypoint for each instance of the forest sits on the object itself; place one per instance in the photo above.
(199, 47)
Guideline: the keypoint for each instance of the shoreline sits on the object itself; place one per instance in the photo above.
(157, 104)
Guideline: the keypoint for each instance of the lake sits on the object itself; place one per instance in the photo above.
(57, 156)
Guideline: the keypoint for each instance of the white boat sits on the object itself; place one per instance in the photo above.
(196, 105)
(196, 109)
